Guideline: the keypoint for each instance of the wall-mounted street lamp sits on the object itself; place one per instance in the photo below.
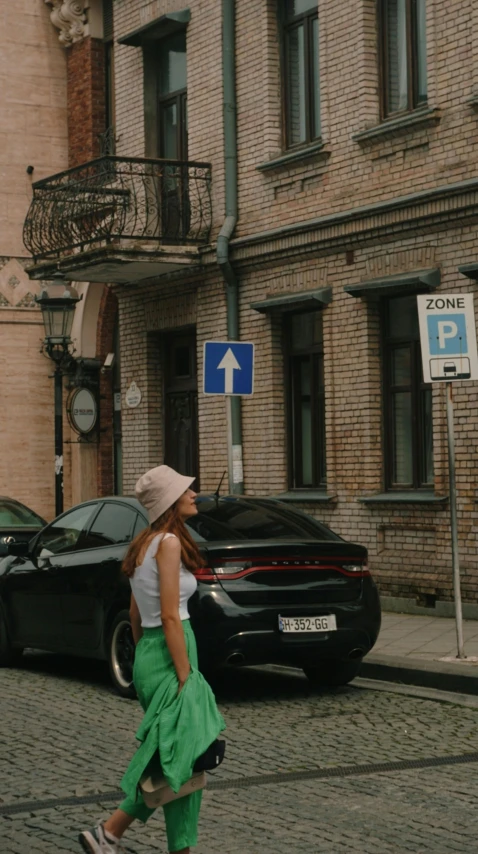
(58, 313)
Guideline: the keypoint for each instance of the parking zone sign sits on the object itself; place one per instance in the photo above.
(448, 337)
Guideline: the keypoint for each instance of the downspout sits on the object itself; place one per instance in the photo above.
(236, 477)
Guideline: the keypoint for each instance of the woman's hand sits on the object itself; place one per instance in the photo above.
(182, 682)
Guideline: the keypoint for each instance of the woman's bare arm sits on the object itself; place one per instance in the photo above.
(135, 618)
(168, 559)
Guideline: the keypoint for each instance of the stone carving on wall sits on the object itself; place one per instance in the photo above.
(69, 16)
(16, 289)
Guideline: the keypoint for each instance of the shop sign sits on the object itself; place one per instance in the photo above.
(83, 410)
(133, 396)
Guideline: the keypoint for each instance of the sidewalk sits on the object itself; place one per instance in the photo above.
(411, 649)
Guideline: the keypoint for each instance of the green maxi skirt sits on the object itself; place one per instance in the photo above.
(181, 726)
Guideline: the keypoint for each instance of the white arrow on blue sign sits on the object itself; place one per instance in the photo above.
(228, 367)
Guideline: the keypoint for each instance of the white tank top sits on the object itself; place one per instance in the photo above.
(145, 587)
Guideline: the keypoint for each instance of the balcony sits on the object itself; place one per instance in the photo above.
(119, 219)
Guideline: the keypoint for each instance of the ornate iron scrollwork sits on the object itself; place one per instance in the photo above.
(111, 198)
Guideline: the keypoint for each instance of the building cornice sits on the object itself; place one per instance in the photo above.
(70, 17)
(445, 206)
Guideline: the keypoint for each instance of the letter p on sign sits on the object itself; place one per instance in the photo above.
(446, 329)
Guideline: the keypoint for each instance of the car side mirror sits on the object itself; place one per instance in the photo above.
(19, 549)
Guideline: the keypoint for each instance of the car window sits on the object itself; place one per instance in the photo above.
(112, 526)
(13, 515)
(229, 519)
(140, 525)
(63, 534)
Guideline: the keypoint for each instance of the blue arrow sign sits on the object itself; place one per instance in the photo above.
(228, 367)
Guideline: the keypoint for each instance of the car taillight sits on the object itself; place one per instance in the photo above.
(204, 573)
(360, 569)
(230, 570)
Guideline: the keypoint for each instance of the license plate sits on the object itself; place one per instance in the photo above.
(308, 624)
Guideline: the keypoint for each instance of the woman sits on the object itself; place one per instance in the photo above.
(181, 717)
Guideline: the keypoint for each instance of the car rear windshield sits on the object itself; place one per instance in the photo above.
(15, 515)
(231, 519)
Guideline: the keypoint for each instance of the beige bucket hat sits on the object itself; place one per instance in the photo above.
(159, 488)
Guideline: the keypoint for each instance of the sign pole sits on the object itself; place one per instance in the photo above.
(229, 444)
(454, 523)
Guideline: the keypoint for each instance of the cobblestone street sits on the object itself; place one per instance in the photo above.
(65, 735)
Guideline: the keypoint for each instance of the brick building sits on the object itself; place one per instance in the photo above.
(317, 170)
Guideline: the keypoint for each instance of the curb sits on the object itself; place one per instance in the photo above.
(444, 676)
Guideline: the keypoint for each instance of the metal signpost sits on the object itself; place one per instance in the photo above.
(229, 371)
(449, 353)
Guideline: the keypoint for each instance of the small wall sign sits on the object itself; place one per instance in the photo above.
(83, 410)
(133, 396)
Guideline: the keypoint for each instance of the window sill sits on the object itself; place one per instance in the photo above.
(309, 496)
(420, 118)
(410, 497)
(317, 151)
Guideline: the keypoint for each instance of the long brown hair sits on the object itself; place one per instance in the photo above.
(169, 523)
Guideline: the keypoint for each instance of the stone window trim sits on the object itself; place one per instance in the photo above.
(400, 283)
(317, 151)
(298, 302)
(404, 497)
(159, 28)
(406, 123)
(306, 496)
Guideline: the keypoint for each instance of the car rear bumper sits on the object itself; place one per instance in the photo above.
(227, 634)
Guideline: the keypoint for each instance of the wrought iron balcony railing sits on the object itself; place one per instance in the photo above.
(119, 198)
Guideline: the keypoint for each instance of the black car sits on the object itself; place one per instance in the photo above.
(278, 587)
(17, 523)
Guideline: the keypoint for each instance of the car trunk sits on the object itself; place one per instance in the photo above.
(290, 573)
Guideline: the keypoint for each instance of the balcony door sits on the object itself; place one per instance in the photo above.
(172, 135)
(180, 403)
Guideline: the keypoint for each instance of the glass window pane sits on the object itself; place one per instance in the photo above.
(427, 437)
(306, 330)
(401, 366)
(421, 50)
(315, 76)
(300, 7)
(63, 534)
(296, 85)
(402, 439)
(253, 519)
(182, 362)
(172, 64)
(114, 524)
(305, 379)
(169, 131)
(403, 318)
(17, 515)
(396, 21)
(306, 446)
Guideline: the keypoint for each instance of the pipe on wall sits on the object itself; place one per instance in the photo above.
(236, 477)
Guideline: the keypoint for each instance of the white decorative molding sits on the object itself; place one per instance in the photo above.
(70, 17)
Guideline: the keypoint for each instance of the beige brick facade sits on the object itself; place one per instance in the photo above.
(373, 200)
(371, 203)
(33, 133)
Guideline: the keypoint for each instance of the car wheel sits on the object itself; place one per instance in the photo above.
(9, 655)
(121, 655)
(333, 673)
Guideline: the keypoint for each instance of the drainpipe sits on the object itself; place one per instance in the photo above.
(236, 477)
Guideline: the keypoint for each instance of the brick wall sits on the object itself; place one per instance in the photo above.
(409, 544)
(86, 99)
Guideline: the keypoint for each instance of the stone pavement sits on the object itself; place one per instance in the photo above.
(357, 770)
(421, 650)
